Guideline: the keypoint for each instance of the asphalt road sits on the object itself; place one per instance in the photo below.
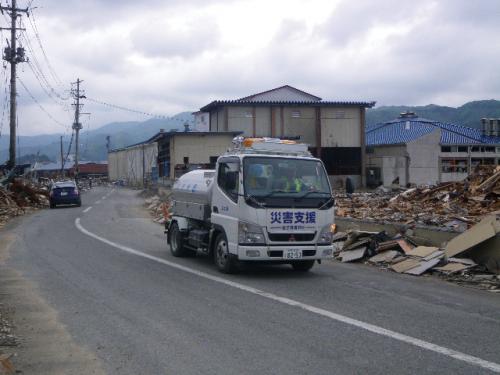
(123, 297)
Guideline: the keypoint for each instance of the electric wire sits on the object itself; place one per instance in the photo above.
(134, 110)
(40, 106)
(36, 65)
(52, 72)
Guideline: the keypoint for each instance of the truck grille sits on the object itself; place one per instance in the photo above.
(285, 237)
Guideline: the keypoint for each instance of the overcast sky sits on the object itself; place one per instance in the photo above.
(165, 57)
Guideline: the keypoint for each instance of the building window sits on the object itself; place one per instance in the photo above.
(340, 114)
(445, 149)
(186, 160)
(462, 148)
(296, 114)
(483, 149)
(248, 114)
(454, 165)
(482, 161)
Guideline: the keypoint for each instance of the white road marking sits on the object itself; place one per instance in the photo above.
(87, 209)
(495, 367)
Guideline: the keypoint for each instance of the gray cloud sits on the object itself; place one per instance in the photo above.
(159, 38)
(138, 55)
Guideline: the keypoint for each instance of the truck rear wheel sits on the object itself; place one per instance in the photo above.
(176, 242)
(224, 261)
(303, 265)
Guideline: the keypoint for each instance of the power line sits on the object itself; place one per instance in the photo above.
(64, 106)
(134, 110)
(39, 70)
(52, 72)
(41, 107)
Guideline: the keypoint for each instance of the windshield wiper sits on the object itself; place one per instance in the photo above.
(254, 200)
(311, 192)
(274, 192)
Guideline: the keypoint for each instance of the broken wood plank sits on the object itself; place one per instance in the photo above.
(481, 232)
(351, 255)
(385, 256)
(422, 267)
(423, 251)
(405, 265)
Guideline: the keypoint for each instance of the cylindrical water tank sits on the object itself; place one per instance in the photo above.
(194, 187)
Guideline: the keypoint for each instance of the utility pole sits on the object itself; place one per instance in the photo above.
(77, 126)
(62, 158)
(14, 55)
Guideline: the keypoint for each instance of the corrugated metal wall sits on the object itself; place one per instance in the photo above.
(127, 164)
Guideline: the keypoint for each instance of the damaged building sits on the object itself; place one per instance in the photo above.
(414, 150)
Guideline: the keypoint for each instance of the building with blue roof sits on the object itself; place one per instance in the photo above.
(415, 150)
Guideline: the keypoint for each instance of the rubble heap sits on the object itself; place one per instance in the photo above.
(19, 197)
(472, 258)
(158, 208)
(465, 201)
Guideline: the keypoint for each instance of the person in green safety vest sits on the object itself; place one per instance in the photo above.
(289, 182)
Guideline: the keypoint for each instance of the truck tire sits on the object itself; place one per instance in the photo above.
(303, 265)
(176, 238)
(224, 261)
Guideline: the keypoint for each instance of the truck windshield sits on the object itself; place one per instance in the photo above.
(282, 182)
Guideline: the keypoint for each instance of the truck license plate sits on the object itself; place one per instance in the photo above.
(292, 254)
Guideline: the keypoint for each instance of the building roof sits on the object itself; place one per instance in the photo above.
(51, 166)
(410, 127)
(161, 135)
(284, 95)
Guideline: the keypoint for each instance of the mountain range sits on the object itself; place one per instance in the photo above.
(93, 142)
(469, 114)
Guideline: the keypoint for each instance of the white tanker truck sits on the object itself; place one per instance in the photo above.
(268, 200)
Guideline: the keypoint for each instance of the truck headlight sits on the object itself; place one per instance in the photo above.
(250, 234)
(326, 234)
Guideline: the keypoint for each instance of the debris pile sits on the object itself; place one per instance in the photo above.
(19, 197)
(452, 204)
(159, 208)
(471, 258)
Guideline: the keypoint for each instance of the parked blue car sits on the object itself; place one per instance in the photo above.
(64, 193)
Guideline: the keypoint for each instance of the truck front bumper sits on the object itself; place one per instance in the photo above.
(282, 253)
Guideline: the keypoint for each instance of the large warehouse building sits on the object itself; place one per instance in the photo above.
(411, 149)
(167, 155)
(334, 130)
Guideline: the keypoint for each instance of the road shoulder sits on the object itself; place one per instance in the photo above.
(44, 346)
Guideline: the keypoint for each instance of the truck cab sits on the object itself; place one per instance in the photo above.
(270, 201)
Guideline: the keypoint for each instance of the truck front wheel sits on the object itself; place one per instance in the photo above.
(303, 265)
(176, 242)
(225, 262)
